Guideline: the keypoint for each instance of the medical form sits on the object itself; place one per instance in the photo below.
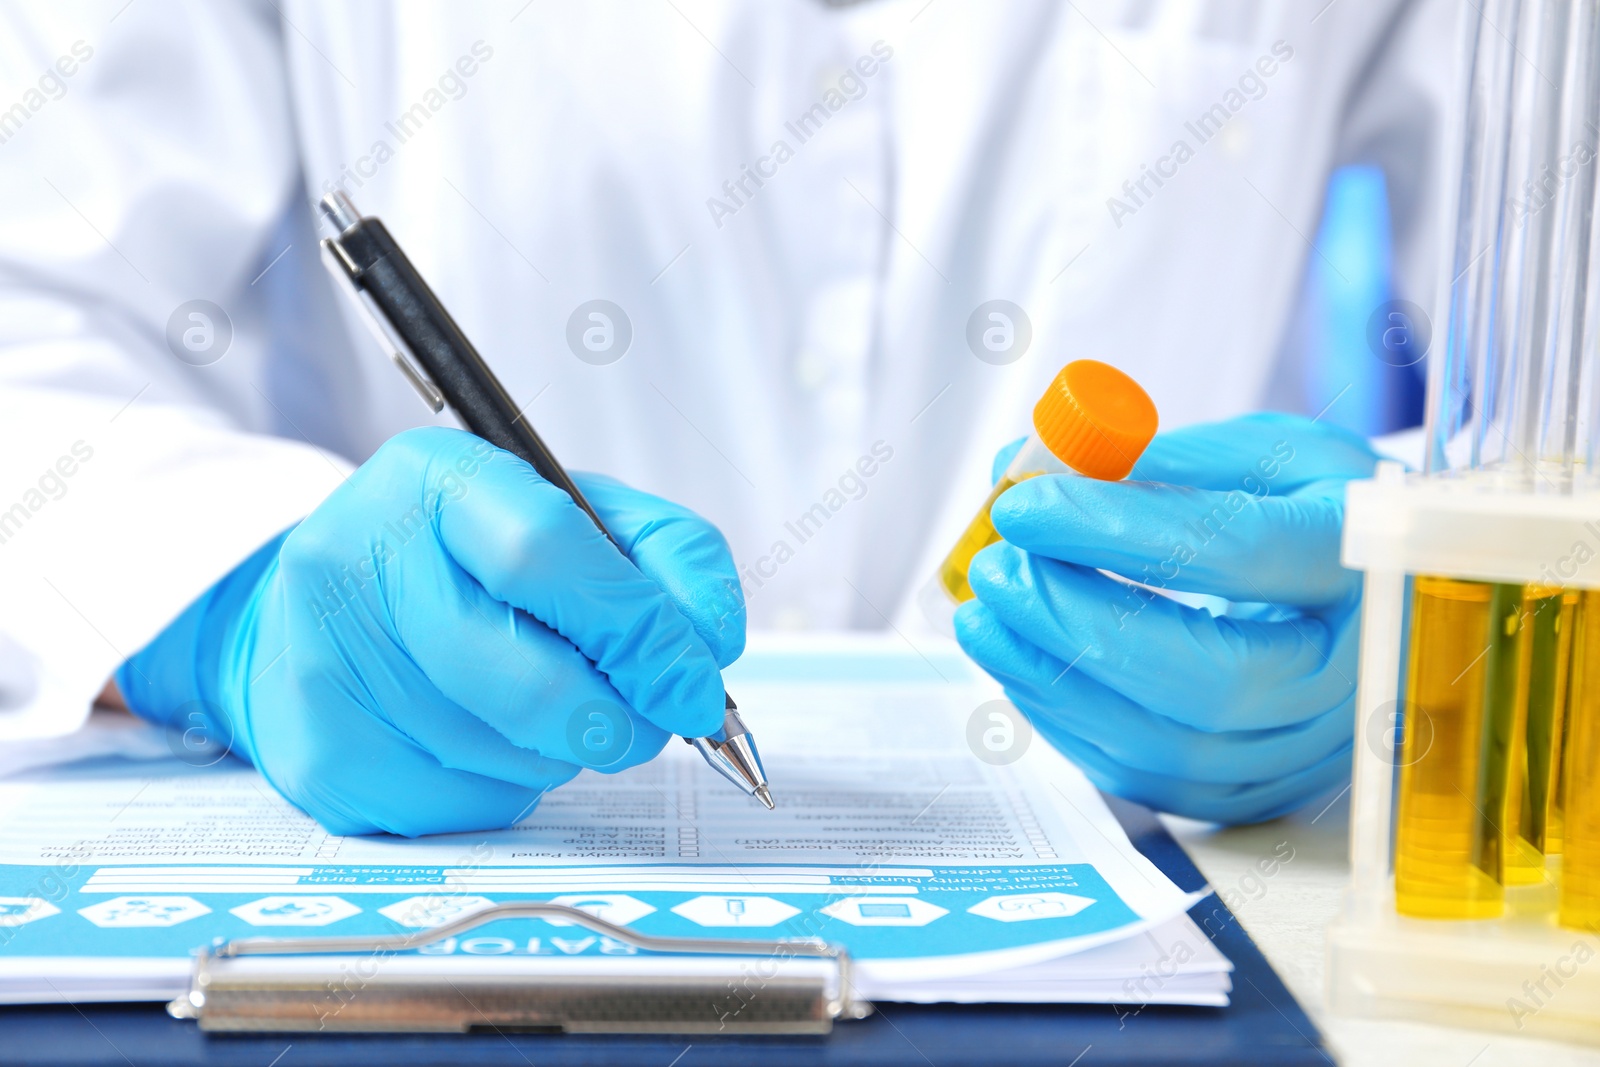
(950, 873)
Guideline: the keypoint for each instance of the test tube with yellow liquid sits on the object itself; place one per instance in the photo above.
(1475, 836)
(1580, 808)
(1447, 855)
(1549, 618)
(1518, 650)
(1092, 422)
(1486, 691)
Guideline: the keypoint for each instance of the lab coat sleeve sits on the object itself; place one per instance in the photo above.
(146, 164)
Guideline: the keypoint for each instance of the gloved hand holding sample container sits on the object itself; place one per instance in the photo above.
(1234, 717)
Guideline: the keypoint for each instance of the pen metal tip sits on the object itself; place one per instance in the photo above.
(764, 795)
(339, 210)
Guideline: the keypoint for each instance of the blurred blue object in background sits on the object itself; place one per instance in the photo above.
(1361, 346)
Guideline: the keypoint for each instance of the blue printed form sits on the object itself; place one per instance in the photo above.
(919, 823)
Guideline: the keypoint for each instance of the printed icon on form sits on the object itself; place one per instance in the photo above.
(144, 911)
(735, 911)
(14, 911)
(295, 911)
(884, 911)
(418, 912)
(1019, 907)
(616, 908)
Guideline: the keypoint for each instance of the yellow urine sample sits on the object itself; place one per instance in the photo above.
(1580, 860)
(1093, 419)
(1502, 792)
(1447, 862)
(1547, 625)
(979, 534)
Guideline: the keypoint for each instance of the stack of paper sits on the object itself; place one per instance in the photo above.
(953, 863)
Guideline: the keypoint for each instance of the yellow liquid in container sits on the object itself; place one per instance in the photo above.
(1503, 782)
(1446, 860)
(1547, 622)
(979, 534)
(1580, 808)
(1093, 421)
(1487, 690)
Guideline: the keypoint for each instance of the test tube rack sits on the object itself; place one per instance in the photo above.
(1520, 972)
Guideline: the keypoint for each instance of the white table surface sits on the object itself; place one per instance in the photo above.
(1288, 916)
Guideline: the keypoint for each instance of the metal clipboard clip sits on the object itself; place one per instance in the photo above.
(297, 984)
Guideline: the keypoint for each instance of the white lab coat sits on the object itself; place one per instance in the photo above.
(535, 156)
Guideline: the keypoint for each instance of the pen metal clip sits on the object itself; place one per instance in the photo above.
(801, 987)
(343, 271)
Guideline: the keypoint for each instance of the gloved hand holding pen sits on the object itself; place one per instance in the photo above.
(1234, 718)
(448, 636)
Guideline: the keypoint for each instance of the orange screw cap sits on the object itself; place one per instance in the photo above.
(1095, 419)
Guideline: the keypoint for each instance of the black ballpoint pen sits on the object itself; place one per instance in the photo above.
(441, 364)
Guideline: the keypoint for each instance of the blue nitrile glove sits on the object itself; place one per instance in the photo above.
(1233, 718)
(448, 636)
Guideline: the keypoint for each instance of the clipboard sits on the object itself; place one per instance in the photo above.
(308, 984)
(1263, 1024)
